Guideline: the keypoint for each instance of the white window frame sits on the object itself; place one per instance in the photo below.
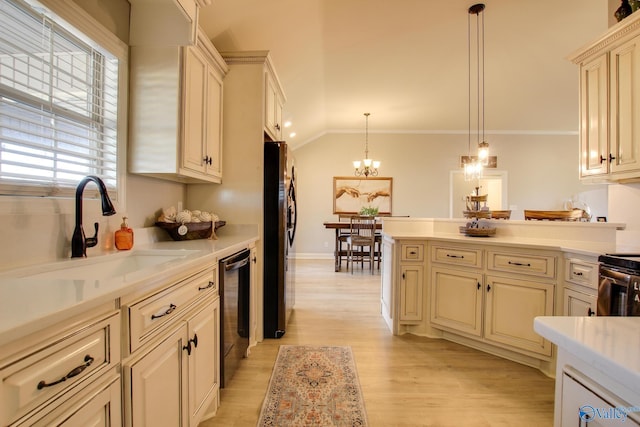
(69, 15)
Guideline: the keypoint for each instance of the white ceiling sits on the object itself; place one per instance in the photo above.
(406, 61)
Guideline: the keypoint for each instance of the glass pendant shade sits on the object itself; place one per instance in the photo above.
(483, 153)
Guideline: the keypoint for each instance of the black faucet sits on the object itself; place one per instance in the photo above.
(79, 243)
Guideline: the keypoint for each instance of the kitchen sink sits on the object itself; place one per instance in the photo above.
(108, 266)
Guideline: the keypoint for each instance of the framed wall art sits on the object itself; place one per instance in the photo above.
(350, 194)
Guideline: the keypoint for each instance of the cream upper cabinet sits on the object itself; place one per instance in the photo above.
(594, 120)
(273, 107)
(610, 104)
(625, 108)
(176, 112)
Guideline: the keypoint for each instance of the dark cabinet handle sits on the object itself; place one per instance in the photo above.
(413, 253)
(602, 159)
(577, 273)
(88, 360)
(207, 160)
(590, 312)
(187, 347)
(519, 264)
(210, 285)
(169, 311)
(455, 256)
(479, 285)
(611, 158)
(403, 276)
(255, 259)
(488, 288)
(277, 126)
(194, 340)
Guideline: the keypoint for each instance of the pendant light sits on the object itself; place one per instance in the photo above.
(474, 165)
(369, 167)
(483, 145)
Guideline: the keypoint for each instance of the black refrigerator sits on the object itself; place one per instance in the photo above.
(280, 217)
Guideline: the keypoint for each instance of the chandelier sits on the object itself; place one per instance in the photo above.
(474, 165)
(369, 167)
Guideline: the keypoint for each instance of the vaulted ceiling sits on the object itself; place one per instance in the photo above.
(406, 61)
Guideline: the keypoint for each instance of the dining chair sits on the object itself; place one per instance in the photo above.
(362, 235)
(342, 236)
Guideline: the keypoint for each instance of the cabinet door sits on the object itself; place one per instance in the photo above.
(204, 366)
(157, 384)
(273, 108)
(213, 124)
(511, 306)
(579, 303)
(625, 107)
(594, 146)
(193, 98)
(456, 300)
(411, 284)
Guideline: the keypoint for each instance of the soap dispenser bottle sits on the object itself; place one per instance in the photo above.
(124, 236)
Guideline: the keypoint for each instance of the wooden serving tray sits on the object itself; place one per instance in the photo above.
(478, 232)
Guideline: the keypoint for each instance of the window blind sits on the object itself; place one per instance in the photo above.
(58, 105)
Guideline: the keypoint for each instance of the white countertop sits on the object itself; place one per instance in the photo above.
(608, 344)
(31, 304)
(586, 238)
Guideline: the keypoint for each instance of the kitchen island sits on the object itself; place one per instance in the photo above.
(484, 292)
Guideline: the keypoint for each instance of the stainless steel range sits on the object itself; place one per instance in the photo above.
(619, 285)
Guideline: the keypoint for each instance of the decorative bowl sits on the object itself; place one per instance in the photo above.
(190, 230)
(477, 232)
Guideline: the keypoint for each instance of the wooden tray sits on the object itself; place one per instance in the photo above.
(572, 215)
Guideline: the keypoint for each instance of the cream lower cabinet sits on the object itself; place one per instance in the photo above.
(402, 293)
(172, 372)
(580, 292)
(66, 375)
(510, 307)
(457, 300)
(485, 294)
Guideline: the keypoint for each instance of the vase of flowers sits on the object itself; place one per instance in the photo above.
(368, 211)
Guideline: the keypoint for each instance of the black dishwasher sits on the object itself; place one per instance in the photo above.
(235, 272)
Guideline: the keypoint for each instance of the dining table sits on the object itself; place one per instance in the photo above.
(338, 226)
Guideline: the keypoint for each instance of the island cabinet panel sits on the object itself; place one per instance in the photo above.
(470, 257)
(492, 294)
(456, 300)
(511, 306)
(522, 264)
(411, 285)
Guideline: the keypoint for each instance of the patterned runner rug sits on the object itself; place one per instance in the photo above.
(313, 386)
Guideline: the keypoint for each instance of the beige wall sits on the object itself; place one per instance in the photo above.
(542, 174)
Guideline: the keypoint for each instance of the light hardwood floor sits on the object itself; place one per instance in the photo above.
(406, 380)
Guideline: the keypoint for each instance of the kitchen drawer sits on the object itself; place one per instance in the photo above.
(412, 252)
(582, 273)
(150, 313)
(468, 257)
(532, 265)
(49, 371)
